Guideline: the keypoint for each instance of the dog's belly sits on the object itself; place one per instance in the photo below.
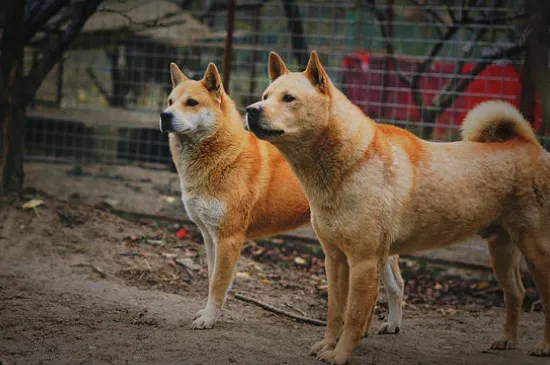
(422, 242)
(452, 202)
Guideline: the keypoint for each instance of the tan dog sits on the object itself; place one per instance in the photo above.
(235, 186)
(377, 190)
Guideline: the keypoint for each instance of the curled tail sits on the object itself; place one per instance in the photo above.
(496, 121)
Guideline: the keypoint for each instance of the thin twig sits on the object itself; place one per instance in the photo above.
(99, 271)
(102, 90)
(270, 308)
(147, 263)
(296, 309)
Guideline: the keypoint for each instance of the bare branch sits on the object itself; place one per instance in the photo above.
(416, 94)
(40, 70)
(39, 14)
(102, 90)
(451, 13)
(270, 308)
(447, 97)
(137, 26)
(381, 18)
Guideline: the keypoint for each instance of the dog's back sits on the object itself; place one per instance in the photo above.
(462, 187)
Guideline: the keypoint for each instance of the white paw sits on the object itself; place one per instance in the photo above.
(389, 328)
(205, 319)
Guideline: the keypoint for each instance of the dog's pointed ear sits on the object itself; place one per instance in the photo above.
(317, 74)
(212, 80)
(176, 75)
(276, 67)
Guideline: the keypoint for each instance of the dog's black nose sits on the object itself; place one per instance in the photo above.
(166, 121)
(253, 111)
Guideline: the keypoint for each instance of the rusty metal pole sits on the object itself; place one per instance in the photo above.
(254, 58)
(228, 52)
(387, 62)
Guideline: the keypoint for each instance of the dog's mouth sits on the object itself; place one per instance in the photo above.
(262, 132)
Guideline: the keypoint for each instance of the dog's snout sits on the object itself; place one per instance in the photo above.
(166, 116)
(166, 121)
(253, 111)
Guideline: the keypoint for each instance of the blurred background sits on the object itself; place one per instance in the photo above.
(414, 63)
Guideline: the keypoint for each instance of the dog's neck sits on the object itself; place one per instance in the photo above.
(202, 161)
(323, 161)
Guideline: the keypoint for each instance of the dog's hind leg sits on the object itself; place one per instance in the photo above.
(535, 247)
(393, 282)
(505, 260)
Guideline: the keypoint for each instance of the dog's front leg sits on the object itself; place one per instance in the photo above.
(227, 253)
(337, 276)
(364, 280)
(210, 248)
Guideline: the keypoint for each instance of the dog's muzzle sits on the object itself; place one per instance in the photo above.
(253, 122)
(165, 122)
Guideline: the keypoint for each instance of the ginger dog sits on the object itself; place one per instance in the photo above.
(378, 190)
(235, 186)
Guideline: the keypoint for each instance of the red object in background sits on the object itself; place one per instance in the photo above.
(181, 233)
(381, 95)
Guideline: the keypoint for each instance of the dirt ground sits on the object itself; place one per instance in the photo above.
(79, 285)
(156, 191)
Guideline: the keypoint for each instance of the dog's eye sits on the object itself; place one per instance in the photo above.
(191, 102)
(288, 98)
(265, 97)
(170, 102)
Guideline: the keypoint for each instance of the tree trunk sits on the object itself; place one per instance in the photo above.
(12, 105)
(535, 75)
(297, 40)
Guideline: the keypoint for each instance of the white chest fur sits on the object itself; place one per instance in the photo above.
(205, 212)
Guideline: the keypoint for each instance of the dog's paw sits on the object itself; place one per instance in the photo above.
(541, 349)
(334, 357)
(322, 346)
(199, 313)
(503, 343)
(388, 328)
(204, 319)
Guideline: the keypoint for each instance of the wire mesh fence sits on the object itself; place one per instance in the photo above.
(418, 64)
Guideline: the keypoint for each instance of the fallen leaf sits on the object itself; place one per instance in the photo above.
(189, 264)
(190, 253)
(265, 281)
(299, 261)
(242, 274)
(168, 199)
(156, 242)
(448, 311)
(111, 202)
(181, 233)
(31, 204)
(482, 285)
